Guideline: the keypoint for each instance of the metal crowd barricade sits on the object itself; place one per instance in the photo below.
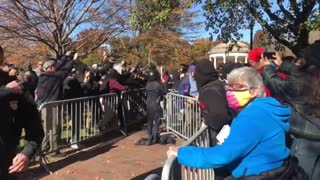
(182, 114)
(134, 108)
(73, 120)
(172, 170)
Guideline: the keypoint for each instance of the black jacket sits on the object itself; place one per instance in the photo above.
(155, 91)
(5, 78)
(291, 91)
(50, 85)
(72, 88)
(12, 121)
(81, 69)
(90, 88)
(212, 96)
(30, 82)
(214, 107)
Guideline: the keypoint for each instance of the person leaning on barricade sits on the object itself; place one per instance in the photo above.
(50, 88)
(50, 84)
(155, 91)
(256, 147)
(113, 83)
(301, 91)
(17, 110)
(212, 98)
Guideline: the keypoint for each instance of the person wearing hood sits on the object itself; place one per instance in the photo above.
(155, 91)
(212, 98)
(255, 147)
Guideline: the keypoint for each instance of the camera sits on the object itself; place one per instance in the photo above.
(269, 55)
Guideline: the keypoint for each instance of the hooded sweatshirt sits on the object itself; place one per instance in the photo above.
(212, 96)
(256, 142)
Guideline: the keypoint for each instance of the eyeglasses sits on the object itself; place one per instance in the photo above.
(236, 87)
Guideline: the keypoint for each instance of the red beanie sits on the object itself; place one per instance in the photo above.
(255, 54)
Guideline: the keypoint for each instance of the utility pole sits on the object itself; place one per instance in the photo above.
(251, 34)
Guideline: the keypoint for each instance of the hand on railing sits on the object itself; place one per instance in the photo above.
(173, 150)
(19, 163)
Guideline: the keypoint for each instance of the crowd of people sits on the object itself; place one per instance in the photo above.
(24, 90)
(271, 105)
(273, 110)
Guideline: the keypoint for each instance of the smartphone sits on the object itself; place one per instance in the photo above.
(269, 55)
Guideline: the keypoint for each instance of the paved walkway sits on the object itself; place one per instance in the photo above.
(116, 159)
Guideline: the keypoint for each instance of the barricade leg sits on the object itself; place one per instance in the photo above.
(122, 117)
(75, 124)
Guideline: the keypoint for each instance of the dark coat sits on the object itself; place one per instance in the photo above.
(155, 91)
(72, 88)
(291, 91)
(81, 69)
(50, 85)
(212, 96)
(4, 78)
(213, 104)
(12, 121)
(90, 88)
(31, 81)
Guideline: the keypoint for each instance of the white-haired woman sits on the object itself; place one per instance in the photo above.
(256, 143)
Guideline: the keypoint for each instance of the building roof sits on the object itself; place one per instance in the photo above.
(239, 47)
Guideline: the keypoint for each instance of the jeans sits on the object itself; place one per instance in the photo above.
(51, 123)
(308, 154)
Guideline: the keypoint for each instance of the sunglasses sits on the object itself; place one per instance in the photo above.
(237, 87)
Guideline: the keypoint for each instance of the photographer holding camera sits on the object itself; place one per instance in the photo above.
(256, 57)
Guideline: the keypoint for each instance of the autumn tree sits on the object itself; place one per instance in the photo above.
(260, 39)
(162, 25)
(164, 48)
(288, 22)
(200, 48)
(125, 48)
(20, 51)
(56, 23)
(147, 15)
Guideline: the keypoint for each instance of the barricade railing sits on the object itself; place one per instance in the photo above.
(70, 121)
(134, 108)
(183, 115)
(172, 170)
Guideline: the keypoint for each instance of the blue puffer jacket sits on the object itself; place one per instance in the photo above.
(256, 142)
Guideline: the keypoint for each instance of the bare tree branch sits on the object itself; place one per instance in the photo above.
(56, 23)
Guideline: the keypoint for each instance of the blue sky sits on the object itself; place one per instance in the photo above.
(246, 33)
(205, 34)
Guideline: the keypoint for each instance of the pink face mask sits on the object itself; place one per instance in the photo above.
(238, 99)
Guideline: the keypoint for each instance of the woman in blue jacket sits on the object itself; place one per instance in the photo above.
(256, 143)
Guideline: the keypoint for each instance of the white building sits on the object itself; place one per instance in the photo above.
(229, 52)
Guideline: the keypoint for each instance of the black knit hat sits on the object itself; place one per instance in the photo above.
(311, 54)
(205, 72)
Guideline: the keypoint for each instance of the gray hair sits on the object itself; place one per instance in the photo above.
(249, 76)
